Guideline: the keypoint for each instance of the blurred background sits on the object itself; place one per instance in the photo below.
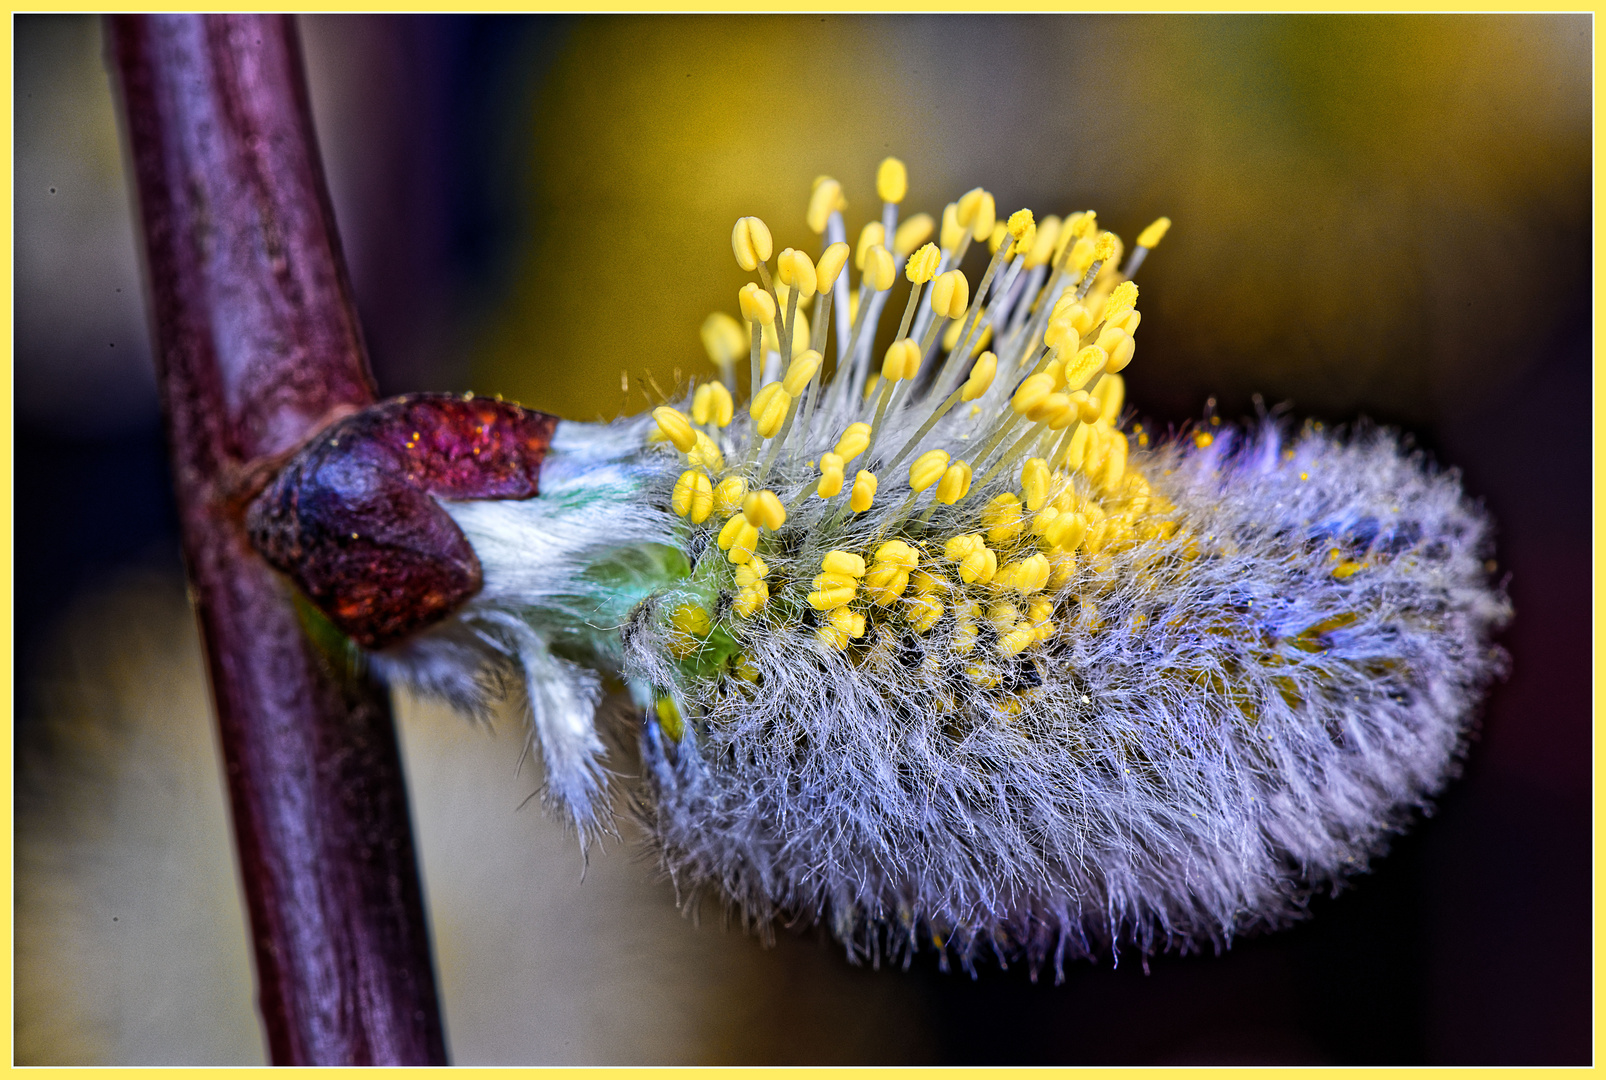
(1374, 216)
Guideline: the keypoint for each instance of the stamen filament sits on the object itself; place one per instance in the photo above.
(1011, 454)
(785, 335)
(925, 429)
(915, 290)
(758, 345)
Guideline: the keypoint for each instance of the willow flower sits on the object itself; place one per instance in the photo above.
(945, 649)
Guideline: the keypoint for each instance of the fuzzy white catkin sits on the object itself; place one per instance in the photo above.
(1206, 738)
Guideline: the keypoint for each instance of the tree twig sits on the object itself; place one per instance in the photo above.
(258, 348)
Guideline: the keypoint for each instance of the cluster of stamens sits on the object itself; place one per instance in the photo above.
(1034, 352)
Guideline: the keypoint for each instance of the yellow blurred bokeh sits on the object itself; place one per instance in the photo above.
(1373, 213)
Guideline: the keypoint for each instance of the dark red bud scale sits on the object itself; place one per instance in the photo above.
(353, 517)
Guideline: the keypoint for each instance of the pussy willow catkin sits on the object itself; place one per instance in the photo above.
(946, 650)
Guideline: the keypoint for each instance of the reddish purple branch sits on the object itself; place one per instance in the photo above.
(258, 349)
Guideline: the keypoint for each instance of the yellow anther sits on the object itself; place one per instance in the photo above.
(955, 483)
(764, 509)
(927, 469)
(834, 593)
(1081, 256)
(957, 547)
(750, 599)
(1044, 520)
(1003, 615)
(925, 584)
(757, 305)
(862, 497)
(965, 628)
(1151, 236)
(1107, 272)
(981, 377)
(1032, 393)
(892, 180)
(676, 428)
(669, 719)
(693, 497)
(853, 441)
(768, 409)
(983, 675)
(950, 294)
(745, 669)
(1072, 310)
(1062, 568)
(1052, 407)
(712, 404)
(870, 236)
(885, 583)
(1111, 392)
(911, 234)
(691, 620)
(831, 637)
(1066, 531)
(1120, 347)
(835, 581)
(1034, 482)
(745, 543)
(922, 265)
(897, 553)
(728, 495)
(1020, 223)
(731, 530)
(1115, 462)
(1041, 617)
(706, 454)
(1077, 451)
(977, 212)
(751, 242)
(831, 264)
(1104, 247)
(1042, 246)
(1017, 639)
(824, 200)
(1002, 518)
(952, 231)
(1061, 332)
(800, 372)
(1089, 360)
(922, 612)
(797, 272)
(979, 566)
(977, 562)
(1088, 407)
(1028, 575)
(849, 622)
(843, 562)
(1024, 244)
(880, 271)
(902, 360)
(755, 569)
(1123, 298)
(724, 339)
(830, 475)
(1127, 320)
